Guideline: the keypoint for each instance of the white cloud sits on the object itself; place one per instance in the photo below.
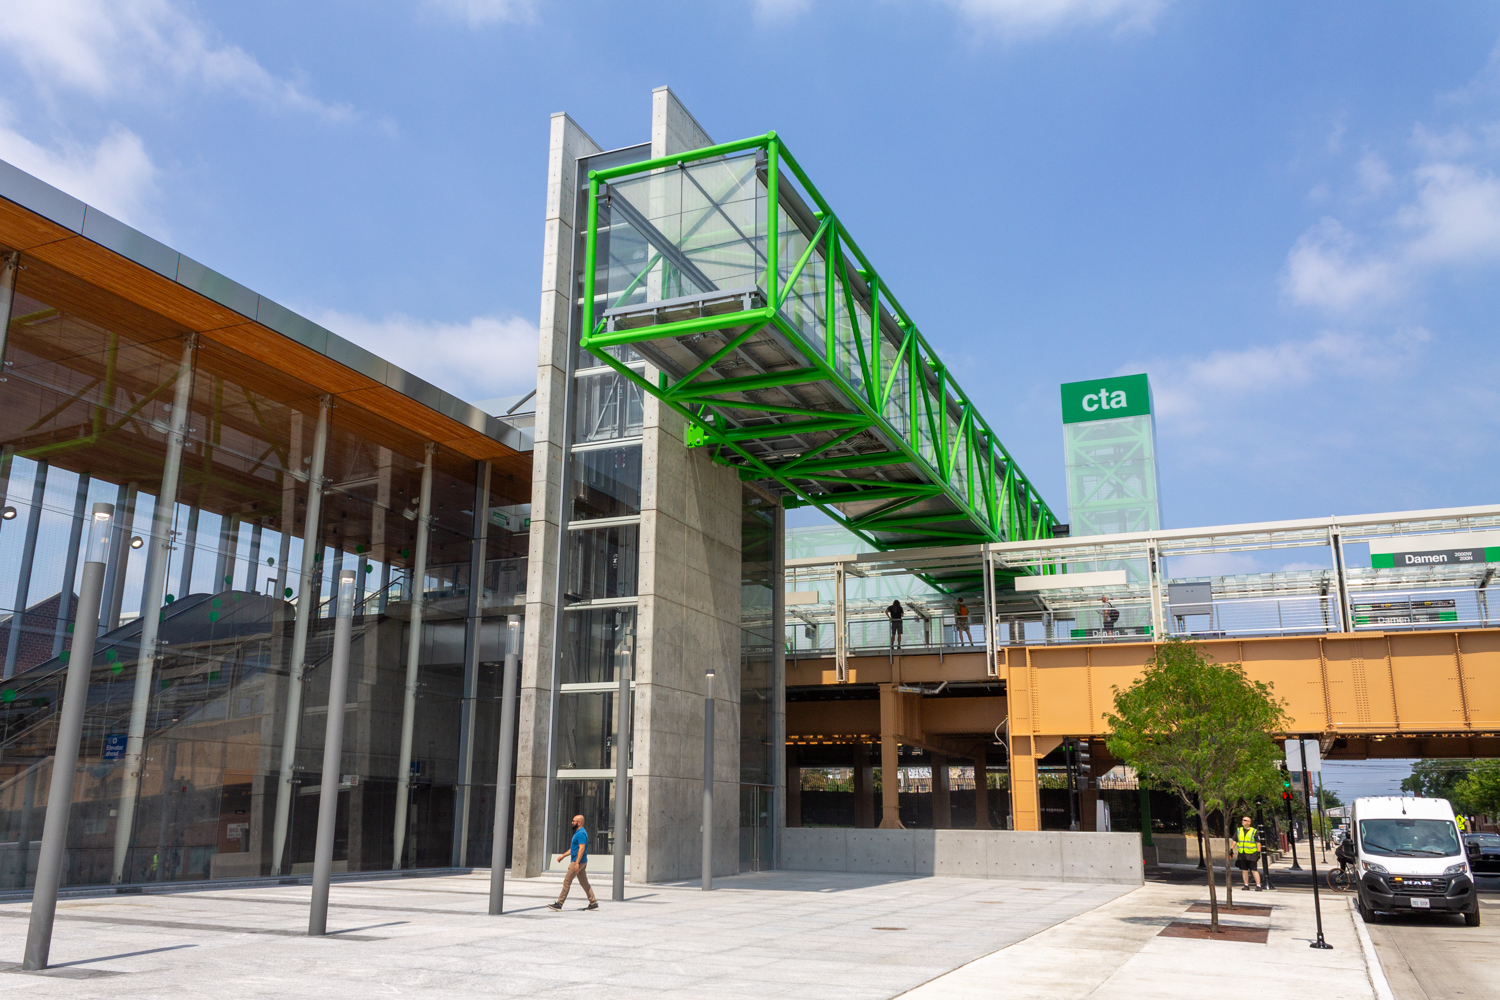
(1454, 221)
(780, 10)
(1374, 175)
(483, 358)
(481, 12)
(111, 47)
(116, 175)
(1031, 18)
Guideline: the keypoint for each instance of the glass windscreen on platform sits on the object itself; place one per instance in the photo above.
(1382, 573)
(228, 785)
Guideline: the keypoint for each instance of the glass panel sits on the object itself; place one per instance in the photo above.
(598, 642)
(602, 563)
(586, 730)
(606, 483)
(607, 407)
(593, 799)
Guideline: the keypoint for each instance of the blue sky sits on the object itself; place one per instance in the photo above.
(1287, 214)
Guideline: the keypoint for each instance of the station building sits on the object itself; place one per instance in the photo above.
(715, 351)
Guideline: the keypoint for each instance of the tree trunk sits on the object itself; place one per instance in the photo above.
(1228, 872)
(1213, 896)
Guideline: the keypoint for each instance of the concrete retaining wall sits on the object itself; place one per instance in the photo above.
(1051, 856)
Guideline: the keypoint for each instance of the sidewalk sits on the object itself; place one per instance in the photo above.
(1127, 949)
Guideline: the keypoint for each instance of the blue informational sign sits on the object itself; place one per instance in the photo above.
(114, 746)
(416, 768)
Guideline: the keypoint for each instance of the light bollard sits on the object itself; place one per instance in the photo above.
(505, 765)
(69, 732)
(333, 754)
(708, 783)
(622, 769)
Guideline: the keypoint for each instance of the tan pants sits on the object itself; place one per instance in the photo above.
(577, 871)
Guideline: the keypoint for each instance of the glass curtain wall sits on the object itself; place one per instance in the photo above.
(759, 634)
(595, 636)
(221, 784)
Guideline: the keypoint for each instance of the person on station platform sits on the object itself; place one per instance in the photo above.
(1109, 614)
(1247, 853)
(577, 867)
(896, 613)
(961, 623)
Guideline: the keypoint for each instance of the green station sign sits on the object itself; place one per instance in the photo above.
(1106, 398)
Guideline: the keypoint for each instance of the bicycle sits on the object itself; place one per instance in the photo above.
(1341, 879)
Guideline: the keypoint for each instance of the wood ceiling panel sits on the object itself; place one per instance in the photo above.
(24, 230)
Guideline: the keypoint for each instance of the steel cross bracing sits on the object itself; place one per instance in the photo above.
(789, 357)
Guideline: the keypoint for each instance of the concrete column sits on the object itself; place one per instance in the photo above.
(413, 655)
(982, 790)
(942, 807)
(544, 572)
(890, 800)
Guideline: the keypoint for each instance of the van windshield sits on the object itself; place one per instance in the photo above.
(1409, 838)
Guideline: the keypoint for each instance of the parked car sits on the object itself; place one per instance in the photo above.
(1409, 857)
(1484, 852)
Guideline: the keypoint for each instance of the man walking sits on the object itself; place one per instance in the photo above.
(1247, 853)
(896, 613)
(580, 851)
(961, 622)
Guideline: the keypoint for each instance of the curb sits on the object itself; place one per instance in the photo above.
(1372, 960)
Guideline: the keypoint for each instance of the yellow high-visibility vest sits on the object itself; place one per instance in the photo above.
(1247, 840)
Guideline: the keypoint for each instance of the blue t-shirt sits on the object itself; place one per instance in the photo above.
(580, 842)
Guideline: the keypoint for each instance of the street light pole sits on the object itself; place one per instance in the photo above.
(708, 783)
(505, 764)
(623, 658)
(333, 754)
(1312, 855)
(69, 732)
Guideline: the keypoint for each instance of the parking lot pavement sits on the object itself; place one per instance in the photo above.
(772, 934)
(1435, 957)
(1118, 951)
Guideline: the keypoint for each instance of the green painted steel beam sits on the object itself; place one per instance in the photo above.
(757, 432)
(747, 383)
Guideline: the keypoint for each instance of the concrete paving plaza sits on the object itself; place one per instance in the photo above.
(775, 934)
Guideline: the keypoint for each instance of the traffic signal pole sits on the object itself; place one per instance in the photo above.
(1291, 822)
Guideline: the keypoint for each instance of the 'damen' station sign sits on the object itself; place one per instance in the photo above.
(1106, 398)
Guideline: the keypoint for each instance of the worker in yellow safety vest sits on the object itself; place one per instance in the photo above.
(1463, 824)
(1247, 853)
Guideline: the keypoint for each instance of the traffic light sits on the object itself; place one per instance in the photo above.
(1081, 755)
(1286, 786)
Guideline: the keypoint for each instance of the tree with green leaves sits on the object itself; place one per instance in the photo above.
(1200, 728)
(1479, 792)
(1436, 779)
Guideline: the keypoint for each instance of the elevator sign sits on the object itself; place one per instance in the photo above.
(1106, 398)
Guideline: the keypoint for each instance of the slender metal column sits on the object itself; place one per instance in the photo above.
(9, 265)
(708, 783)
(1158, 611)
(229, 537)
(505, 769)
(287, 523)
(624, 663)
(413, 655)
(252, 571)
(28, 559)
(65, 759)
(112, 571)
(189, 550)
(1346, 610)
(464, 789)
(991, 658)
(65, 608)
(124, 524)
(151, 604)
(307, 609)
(333, 753)
(840, 626)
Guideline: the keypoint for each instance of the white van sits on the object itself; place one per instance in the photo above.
(1409, 856)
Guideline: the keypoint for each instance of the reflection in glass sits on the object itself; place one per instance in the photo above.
(597, 643)
(608, 407)
(602, 562)
(593, 799)
(606, 483)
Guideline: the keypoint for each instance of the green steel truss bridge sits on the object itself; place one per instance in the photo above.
(789, 357)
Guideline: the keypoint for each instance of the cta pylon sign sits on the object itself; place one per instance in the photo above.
(1106, 398)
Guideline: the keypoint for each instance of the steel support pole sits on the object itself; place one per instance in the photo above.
(708, 783)
(66, 610)
(623, 664)
(307, 609)
(1312, 855)
(65, 759)
(151, 604)
(1158, 610)
(840, 626)
(464, 788)
(333, 753)
(120, 557)
(189, 550)
(28, 560)
(505, 764)
(413, 656)
(991, 653)
(287, 523)
(1346, 609)
(9, 265)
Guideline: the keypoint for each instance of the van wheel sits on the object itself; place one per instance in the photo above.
(1367, 914)
(1471, 918)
